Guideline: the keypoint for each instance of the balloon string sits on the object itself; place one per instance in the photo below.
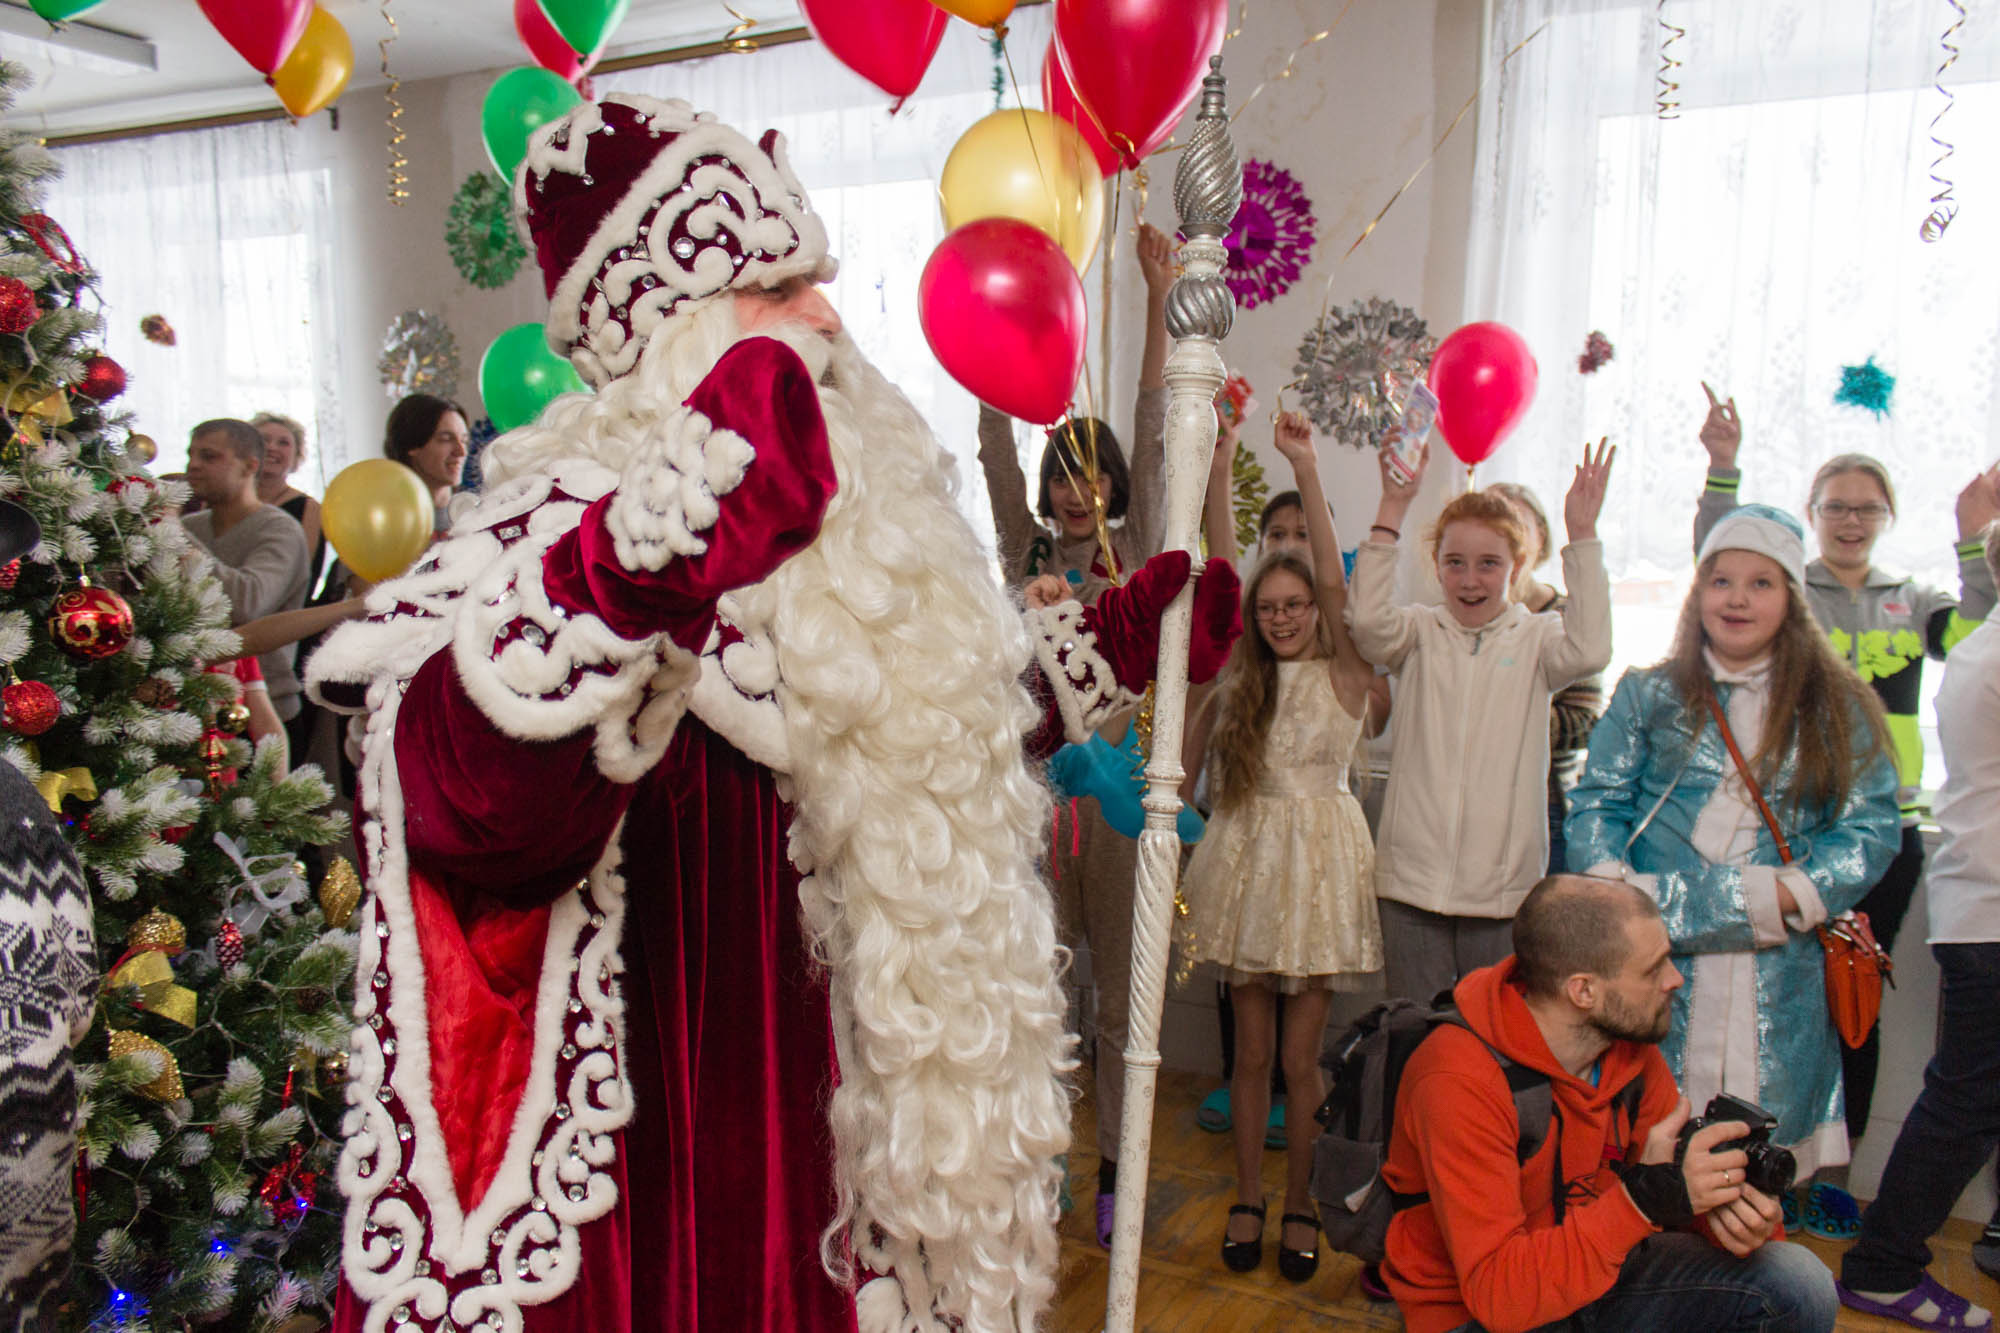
(1666, 104)
(399, 180)
(1027, 126)
(1943, 207)
(1104, 311)
(1290, 61)
(1326, 297)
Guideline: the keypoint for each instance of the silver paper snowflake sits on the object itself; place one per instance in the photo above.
(1356, 368)
(419, 355)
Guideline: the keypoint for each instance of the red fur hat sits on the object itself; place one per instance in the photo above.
(636, 205)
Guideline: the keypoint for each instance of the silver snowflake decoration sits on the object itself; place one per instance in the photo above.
(419, 355)
(1356, 368)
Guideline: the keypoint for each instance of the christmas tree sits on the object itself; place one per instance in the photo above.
(211, 1076)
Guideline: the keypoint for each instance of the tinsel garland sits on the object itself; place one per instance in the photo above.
(1247, 485)
(419, 355)
(479, 231)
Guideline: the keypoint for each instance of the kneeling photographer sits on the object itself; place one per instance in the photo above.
(1628, 1214)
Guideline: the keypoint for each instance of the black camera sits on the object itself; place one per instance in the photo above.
(1771, 1169)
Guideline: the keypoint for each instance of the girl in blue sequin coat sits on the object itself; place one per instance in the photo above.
(1660, 804)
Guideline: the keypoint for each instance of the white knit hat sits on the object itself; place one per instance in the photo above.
(1766, 530)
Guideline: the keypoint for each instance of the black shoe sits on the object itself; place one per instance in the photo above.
(1240, 1256)
(1298, 1265)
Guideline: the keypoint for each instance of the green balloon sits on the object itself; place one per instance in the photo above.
(519, 376)
(55, 11)
(585, 24)
(520, 102)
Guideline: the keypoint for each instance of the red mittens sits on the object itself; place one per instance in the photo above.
(1218, 620)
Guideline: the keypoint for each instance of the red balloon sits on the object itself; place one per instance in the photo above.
(262, 31)
(1003, 310)
(1484, 378)
(1059, 100)
(1138, 63)
(887, 42)
(545, 45)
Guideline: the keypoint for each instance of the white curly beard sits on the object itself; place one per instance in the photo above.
(900, 661)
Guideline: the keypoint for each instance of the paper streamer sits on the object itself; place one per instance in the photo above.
(738, 38)
(399, 179)
(1943, 207)
(1666, 102)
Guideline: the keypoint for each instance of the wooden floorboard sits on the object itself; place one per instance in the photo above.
(1184, 1288)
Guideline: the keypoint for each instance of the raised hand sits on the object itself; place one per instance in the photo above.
(1978, 504)
(1294, 440)
(1396, 491)
(1586, 494)
(1721, 430)
(1156, 258)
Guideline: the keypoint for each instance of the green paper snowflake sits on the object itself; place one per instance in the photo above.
(1250, 491)
(480, 232)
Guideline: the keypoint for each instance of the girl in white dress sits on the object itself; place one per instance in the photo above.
(1280, 891)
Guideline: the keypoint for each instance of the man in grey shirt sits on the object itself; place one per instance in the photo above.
(260, 551)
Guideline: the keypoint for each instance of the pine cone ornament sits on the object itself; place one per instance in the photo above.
(103, 379)
(339, 893)
(155, 329)
(29, 708)
(18, 310)
(229, 945)
(91, 622)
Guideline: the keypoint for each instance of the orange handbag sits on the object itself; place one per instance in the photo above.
(1856, 964)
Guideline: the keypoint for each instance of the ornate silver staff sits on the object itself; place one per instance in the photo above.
(1207, 189)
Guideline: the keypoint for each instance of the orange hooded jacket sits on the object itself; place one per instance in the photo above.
(1487, 1245)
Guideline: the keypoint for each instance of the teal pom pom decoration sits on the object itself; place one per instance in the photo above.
(1866, 385)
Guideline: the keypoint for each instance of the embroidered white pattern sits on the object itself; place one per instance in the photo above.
(668, 494)
(1087, 692)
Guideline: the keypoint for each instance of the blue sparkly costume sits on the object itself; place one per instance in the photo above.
(1654, 797)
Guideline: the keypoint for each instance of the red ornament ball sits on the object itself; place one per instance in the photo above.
(174, 835)
(91, 622)
(29, 708)
(10, 574)
(229, 945)
(103, 379)
(18, 310)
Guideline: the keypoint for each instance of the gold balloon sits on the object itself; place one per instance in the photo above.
(339, 893)
(379, 516)
(1031, 166)
(142, 448)
(318, 67)
(979, 13)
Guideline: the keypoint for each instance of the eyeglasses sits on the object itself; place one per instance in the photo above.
(1291, 610)
(1868, 513)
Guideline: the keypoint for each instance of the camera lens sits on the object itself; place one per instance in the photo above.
(1771, 1169)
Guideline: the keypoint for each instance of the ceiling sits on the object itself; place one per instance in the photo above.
(199, 74)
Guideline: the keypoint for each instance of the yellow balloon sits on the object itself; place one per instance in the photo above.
(979, 13)
(378, 515)
(1031, 166)
(318, 67)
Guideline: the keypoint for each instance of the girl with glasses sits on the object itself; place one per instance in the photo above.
(1278, 889)
(1883, 625)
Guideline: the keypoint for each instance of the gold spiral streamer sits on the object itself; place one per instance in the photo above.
(738, 38)
(399, 179)
(1666, 102)
(1943, 207)
(1290, 60)
(1326, 295)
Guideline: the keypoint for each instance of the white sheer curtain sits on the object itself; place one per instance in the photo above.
(226, 232)
(1759, 242)
(873, 177)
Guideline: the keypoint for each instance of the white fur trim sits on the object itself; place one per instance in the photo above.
(1760, 900)
(1812, 908)
(879, 1308)
(1086, 691)
(669, 494)
(438, 1267)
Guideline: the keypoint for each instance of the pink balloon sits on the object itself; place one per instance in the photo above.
(1059, 100)
(262, 31)
(545, 45)
(1138, 63)
(1003, 309)
(1484, 378)
(887, 42)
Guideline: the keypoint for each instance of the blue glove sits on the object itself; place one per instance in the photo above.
(1114, 776)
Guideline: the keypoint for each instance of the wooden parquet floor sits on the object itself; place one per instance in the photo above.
(1185, 1289)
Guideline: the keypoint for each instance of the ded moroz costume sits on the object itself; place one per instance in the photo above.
(706, 981)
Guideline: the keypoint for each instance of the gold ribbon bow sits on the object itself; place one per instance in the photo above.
(152, 938)
(58, 783)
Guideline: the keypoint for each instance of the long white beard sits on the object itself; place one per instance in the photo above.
(900, 661)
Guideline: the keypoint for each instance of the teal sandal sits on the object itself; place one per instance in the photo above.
(1213, 1113)
(1831, 1213)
